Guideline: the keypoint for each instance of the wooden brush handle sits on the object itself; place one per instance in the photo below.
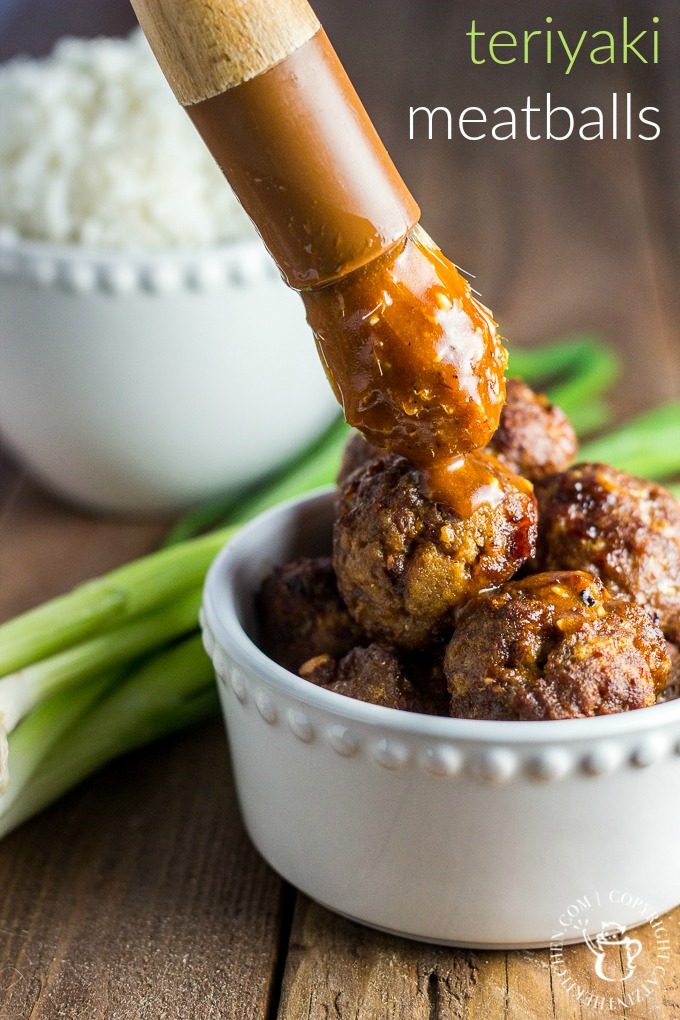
(271, 100)
(208, 46)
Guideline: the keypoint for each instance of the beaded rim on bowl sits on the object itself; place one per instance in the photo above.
(489, 751)
(83, 270)
(443, 756)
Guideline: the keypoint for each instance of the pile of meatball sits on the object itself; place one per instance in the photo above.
(557, 604)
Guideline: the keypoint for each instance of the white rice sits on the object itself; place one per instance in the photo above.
(95, 150)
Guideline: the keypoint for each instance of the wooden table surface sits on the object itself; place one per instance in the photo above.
(139, 896)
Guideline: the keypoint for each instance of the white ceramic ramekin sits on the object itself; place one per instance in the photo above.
(483, 834)
(150, 381)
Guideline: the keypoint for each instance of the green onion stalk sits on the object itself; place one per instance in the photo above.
(75, 732)
(576, 373)
(118, 662)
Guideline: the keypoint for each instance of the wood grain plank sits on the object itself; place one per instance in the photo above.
(648, 995)
(338, 969)
(140, 897)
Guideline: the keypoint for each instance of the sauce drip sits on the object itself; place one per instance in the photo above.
(469, 481)
(414, 360)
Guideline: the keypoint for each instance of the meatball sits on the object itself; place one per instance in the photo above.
(553, 646)
(375, 674)
(625, 530)
(672, 689)
(534, 438)
(425, 669)
(405, 562)
(357, 454)
(301, 614)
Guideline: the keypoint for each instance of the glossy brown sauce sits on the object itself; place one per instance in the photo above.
(414, 360)
(570, 597)
(471, 480)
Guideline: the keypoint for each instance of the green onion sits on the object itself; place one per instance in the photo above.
(317, 466)
(575, 373)
(71, 697)
(573, 370)
(23, 690)
(648, 446)
(35, 736)
(85, 729)
(139, 587)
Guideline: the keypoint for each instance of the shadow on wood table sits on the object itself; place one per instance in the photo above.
(139, 897)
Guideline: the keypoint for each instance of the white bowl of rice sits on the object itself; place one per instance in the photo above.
(150, 355)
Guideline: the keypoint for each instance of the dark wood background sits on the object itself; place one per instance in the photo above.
(139, 896)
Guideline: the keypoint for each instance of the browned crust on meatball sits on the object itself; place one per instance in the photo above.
(375, 674)
(626, 530)
(405, 562)
(302, 614)
(553, 646)
(357, 454)
(671, 690)
(534, 438)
